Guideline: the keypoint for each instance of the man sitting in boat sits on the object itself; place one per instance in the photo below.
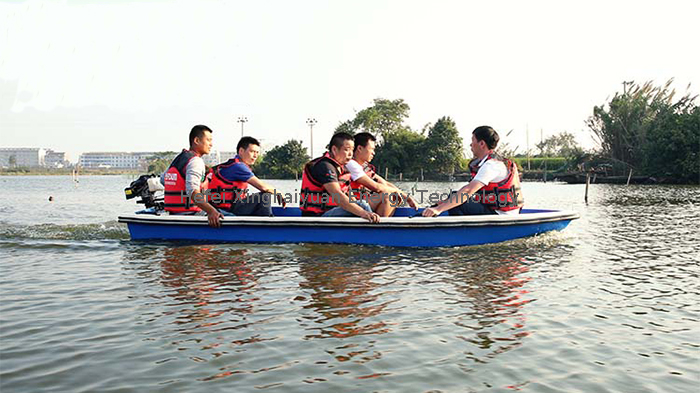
(495, 184)
(228, 183)
(183, 179)
(367, 185)
(325, 184)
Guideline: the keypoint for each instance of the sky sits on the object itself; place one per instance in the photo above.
(80, 76)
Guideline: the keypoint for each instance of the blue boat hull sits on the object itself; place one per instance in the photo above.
(401, 231)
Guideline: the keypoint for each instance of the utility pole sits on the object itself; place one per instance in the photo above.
(242, 120)
(311, 122)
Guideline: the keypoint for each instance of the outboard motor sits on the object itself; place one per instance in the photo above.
(145, 188)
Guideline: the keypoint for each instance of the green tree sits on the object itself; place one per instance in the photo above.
(645, 123)
(284, 162)
(673, 148)
(383, 118)
(443, 147)
(159, 162)
(560, 145)
(622, 126)
(402, 152)
(348, 126)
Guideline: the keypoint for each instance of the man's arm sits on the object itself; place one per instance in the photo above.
(333, 188)
(373, 185)
(462, 195)
(193, 179)
(264, 187)
(403, 195)
(200, 200)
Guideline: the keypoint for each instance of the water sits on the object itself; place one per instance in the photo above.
(608, 305)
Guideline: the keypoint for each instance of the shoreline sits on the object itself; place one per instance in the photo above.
(529, 179)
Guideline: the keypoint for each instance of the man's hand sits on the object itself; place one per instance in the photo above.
(396, 199)
(371, 217)
(213, 215)
(280, 200)
(215, 219)
(411, 202)
(430, 212)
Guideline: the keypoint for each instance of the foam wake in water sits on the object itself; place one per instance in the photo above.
(110, 230)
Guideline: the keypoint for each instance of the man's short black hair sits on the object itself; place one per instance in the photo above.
(245, 142)
(339, 139)
(198, 132)
(363, 138)
(488, 135)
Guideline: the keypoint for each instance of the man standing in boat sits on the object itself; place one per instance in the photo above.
(228, 183)
(183, 179)
(495, 184)
(325, 184)
(367, 185)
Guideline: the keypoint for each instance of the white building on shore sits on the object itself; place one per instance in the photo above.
(138, 160)
(117, 160)
(31, 157)
(226, 155)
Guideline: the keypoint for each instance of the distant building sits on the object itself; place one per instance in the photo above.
(218, 157)
(22, 157)
(55, 159)
(226, 155)
(212, 158)
(116, 160)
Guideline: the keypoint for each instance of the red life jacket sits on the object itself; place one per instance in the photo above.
(358, 190)
(313, 197)
(175, 197)
(504, 195)
(226, 191)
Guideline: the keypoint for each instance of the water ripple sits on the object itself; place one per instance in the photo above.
(610, 304)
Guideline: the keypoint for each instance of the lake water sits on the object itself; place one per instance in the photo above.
(611, 304)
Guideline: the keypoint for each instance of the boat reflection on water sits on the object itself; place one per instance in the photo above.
(491, 294)
(335, 310)
(212, 281)
(343, 294)
(202, 291)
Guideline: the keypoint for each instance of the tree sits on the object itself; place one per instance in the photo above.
(283, 162)
(643, 124)
(622, 126)
(560, 145)
(673, 147)
(443, 147)
(381, 119)
(401, 151)
(159, 162)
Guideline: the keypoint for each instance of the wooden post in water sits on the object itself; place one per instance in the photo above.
(401, 176)
(386, 173)
(544, 174)
(421, 175)
(629, 177)
(588, 180)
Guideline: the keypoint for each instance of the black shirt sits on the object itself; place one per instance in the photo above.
(324, 171)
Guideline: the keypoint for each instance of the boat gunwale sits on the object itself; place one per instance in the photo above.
(356, 222)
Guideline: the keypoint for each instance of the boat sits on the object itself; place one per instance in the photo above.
(405, 229)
